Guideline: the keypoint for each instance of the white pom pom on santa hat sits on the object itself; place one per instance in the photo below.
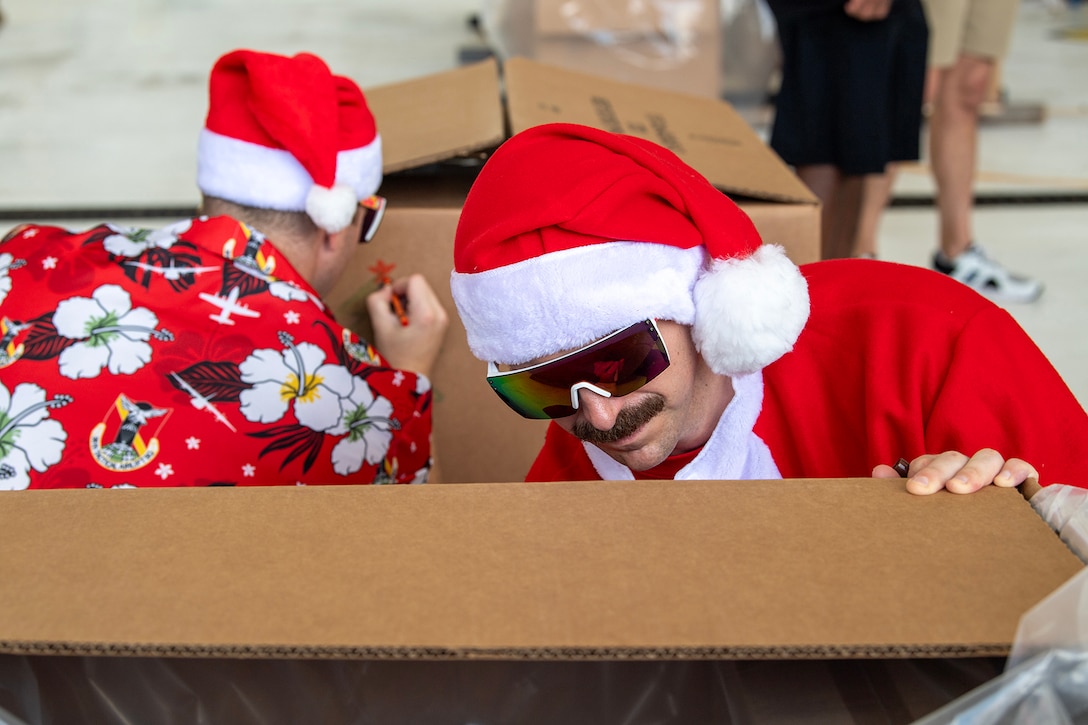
(749, 310)
(331, 209)
(570, 233)
(285, 133)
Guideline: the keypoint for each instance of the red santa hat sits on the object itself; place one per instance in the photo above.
(285, 133)
(570, 233)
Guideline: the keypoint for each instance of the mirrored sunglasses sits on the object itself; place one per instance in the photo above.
(615, 365)
(373, 210)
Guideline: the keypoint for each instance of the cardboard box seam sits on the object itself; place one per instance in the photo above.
(551, 653)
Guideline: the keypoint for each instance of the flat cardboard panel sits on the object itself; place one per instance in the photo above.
(438, 116)
(796, 227)
(648, 569)
(708, 134)
(476, 437)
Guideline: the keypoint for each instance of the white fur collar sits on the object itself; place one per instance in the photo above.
(733, 452)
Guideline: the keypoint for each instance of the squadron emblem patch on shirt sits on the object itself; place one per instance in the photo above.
(127, 449)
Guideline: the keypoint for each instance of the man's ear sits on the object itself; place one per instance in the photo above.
(331, 254)
(334, 243)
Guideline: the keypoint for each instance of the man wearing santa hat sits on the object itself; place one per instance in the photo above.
(613, 290)
(202, 353)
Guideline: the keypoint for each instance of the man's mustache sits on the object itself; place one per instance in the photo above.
(629, 420)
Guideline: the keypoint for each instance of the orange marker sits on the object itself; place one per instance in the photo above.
(381, 271)
(398, 307)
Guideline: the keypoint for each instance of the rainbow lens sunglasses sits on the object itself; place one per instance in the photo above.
(615, 365)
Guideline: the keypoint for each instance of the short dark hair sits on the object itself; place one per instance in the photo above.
(268, 221)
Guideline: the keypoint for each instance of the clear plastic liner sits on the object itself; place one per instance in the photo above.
(1065, 508)
(652, 39)
(40, 690)
(650, 34)
(1046, 676)
(1058, 622)
(1050, 688)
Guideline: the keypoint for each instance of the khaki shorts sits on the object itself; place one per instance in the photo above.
(969, 27)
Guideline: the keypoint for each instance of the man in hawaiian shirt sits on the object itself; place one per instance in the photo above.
(201, 354)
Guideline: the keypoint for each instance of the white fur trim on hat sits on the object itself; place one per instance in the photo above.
(254, 175)
(361, 168)
(749, 311)
(566, 299)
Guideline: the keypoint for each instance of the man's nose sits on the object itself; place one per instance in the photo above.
(597, 410)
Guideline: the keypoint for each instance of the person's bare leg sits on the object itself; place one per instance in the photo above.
(840, 199)
(953, 142)
(822, 180)
(845, 213)
(876, 191)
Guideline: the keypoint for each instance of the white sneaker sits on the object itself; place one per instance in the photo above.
(983, 274)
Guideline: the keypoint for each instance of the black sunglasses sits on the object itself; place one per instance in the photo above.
(373, 210)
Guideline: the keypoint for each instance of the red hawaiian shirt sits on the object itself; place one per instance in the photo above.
(192, 355)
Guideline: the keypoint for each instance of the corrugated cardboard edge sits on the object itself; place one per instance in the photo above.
(1029, 488)
(242, 651)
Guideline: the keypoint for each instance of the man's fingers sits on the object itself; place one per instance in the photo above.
(1015, 472)
(883, 470)
(980, 470)
(960, 474)
(932, 475)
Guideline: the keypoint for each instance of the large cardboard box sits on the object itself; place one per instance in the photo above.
(437, 130)
(235, 593)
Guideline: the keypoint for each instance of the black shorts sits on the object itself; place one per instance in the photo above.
(851, 92)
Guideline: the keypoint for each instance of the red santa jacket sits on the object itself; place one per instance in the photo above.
(188, 356)
(897, 361)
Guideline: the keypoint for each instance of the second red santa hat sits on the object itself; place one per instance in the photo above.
(285, 133)
(570, 233)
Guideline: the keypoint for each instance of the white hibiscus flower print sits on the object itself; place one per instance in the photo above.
(295, 376)
(366, 421)
(134, 242)
(29, 438)
(112, 333)
(291, 292)
(5, 279)
(288, 291)
(423, 384)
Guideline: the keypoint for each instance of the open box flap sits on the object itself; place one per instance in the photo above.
(460, 112)
(438, 117)
(708, 134)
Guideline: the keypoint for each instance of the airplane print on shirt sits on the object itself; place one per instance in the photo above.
(149, 254)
